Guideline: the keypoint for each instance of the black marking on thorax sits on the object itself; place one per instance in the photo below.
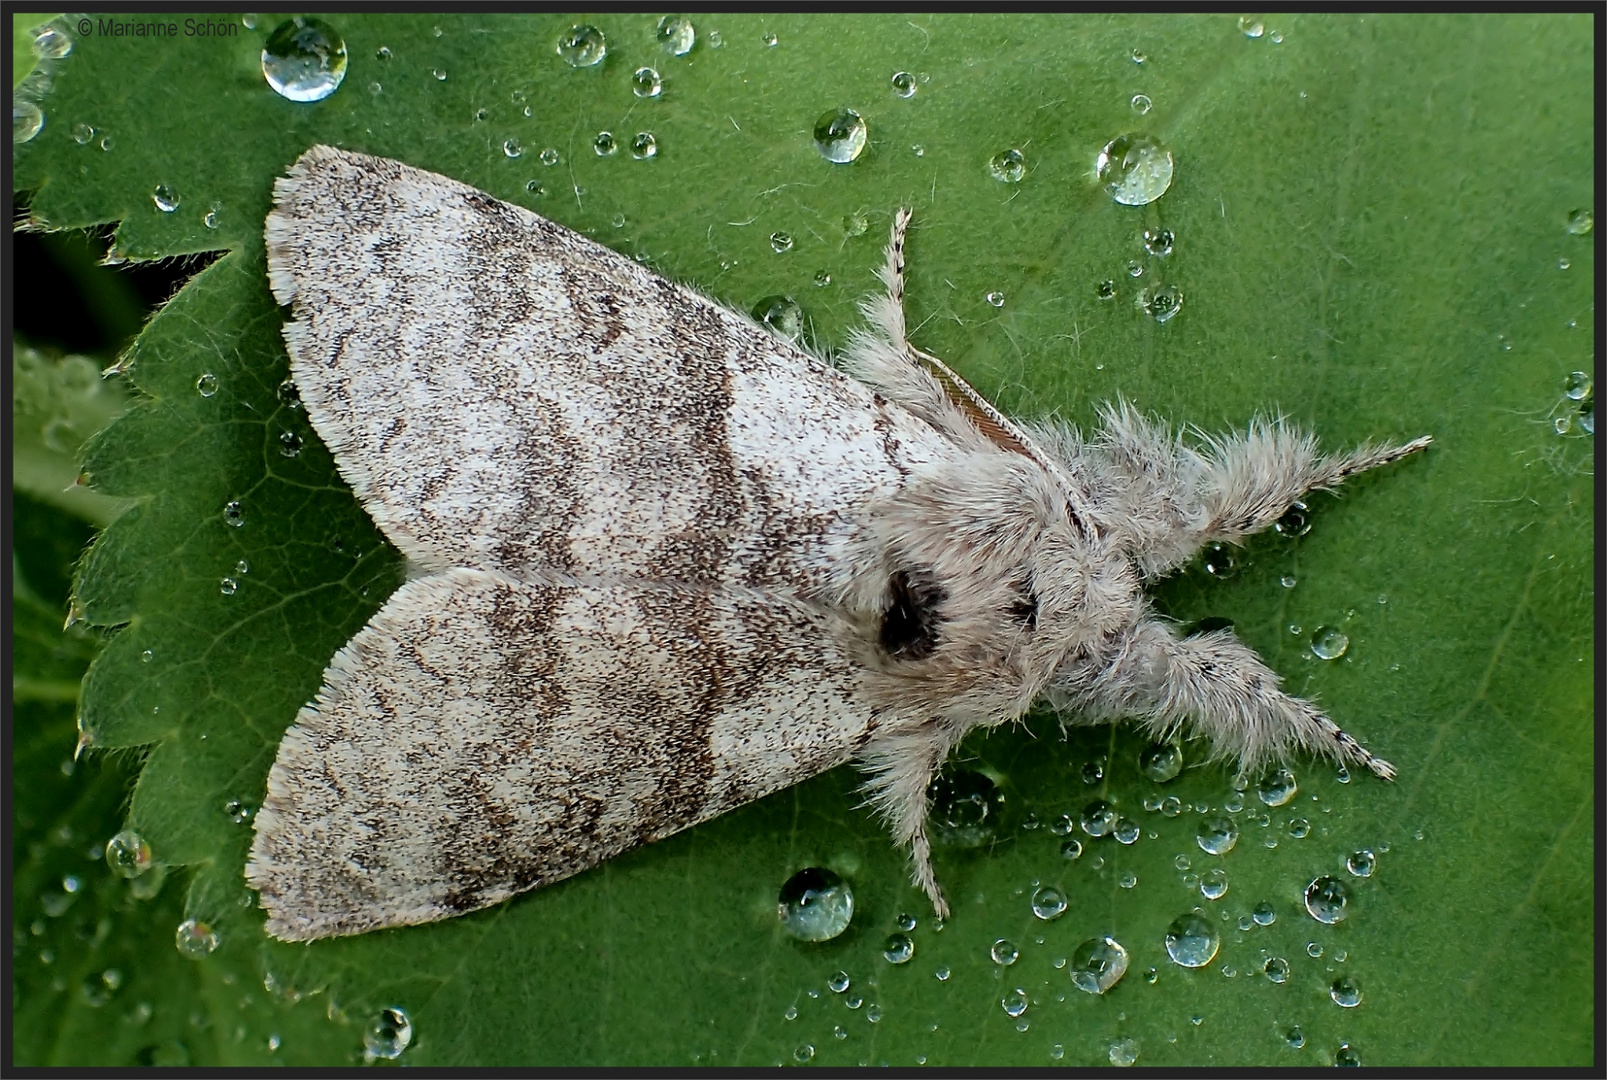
(910, 628)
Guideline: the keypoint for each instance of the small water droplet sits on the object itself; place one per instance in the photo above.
(513, 148)
(840, 135)
(1142, 104)
(676, 34)
(26, 120)
(1299, 828)
(770, 40)
(1276, 969)
(233, 515)
(855, 224)
(535, 188)
(1288, 581)
(1136, 169)
(1361, 863)
(716, 40)
(289, 444)
(1581, 222)
(1098, 964)
(206, 385)
(822, 278)
(1105, 290)
(905, 921)
(1128, 880)
(838, 982)
(549, 157)
(228, 586)
(898, 948)
(804, 1052)
(195, 939)
(1171, 806)
(782, 315)
(1578, 386)
(128, 854)
(1004, 952)
(1161, 302)
(1250, 26)
(1159, 241)
(1126, 831)
(387, 1035)
(920, 151)
(1326, 898)
(815, 905)
(147, 656)
(304, 60)
(382, 53)
(1048, 903)
(995, 298)
(1007, 166)
(1098, 818)
(780, 242)
(1161, 762)
(1329, 643)
(942, 974)
(237, 811)
(1015, 1002)
(1220, 560)
(83, 134)
(1071, 849)
(645, 83)
(1296, 521)
(1214, 883)
(1217, 835)
(1346, 992)
(582, 46)
(165, 198)
(1294, 1037)
(1264, 915)
(904, 84)
(643, 145)
(1277, 787)
(109, 143)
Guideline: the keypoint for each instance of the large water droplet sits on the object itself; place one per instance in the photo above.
(904, 84)
(1217, 835)
(304, 60)
(1099, 819)
(1326, 898)
(26, 120)
(677, 34)
(583, 45)
(1007, 166)
(1346, 992)
(387, 1034)
(1048, 903)
(1191, 941)
(840, 135)
(1123, 1052)
(1098, 964)
(1161, 761)
(966, 806)
(128, 854)
(1581, 222)
(1136, 169)
(782, 315)
(1004, 952)
(644, 145)
(1277, 787)
(815, 905)
(645, 83)
(195, 939)
(51, 43)
(1329, 643)
(898, 948)
(1015, 1002)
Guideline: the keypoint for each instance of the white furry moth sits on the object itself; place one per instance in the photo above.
(662, 562)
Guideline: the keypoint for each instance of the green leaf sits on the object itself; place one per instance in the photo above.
(1371, 219)
(56, 405)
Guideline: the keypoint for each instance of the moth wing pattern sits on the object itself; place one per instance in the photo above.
(485, 735)
(581, 412)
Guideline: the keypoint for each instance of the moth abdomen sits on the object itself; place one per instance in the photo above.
(910, 627)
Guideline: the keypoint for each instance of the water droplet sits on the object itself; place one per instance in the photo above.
(1577, 386)
(815, 905)
(1276, 37)
(228, 586)
(1128, 880)
(165, 198)
(242, 567)
(1071, 849)
(233, 515)
(1346, 992)
(1171, 806)
(1123, 1052)
(289, 444)
(643, 145)
(770, 40)
(1159, 241)
(1136, 169)
(206, 385)
(535, 188)
(645, 83)
(382, 53)
(549, 157)
(1191, 941)
(1161, 761)
(26, 121)
(1250, 26)
(840, 135)
(804, 1052)
(1326, 898)
(83, 134)
(1161, 302)
(1299, 828)
(1214, 883)
(513, 148)
(966, 806)
(1015, 1002)
(304, 60)
(1004, 952)
(1294, 1037)
(995, 298)
(1105, 290)
(1098, 964)
(237, 811)
(676, 34)
(109, 143)
(1142, 104)
(1220, 560)
(1098, 818)
(716, 40)
(1263, 914)
(387, 1035)
(942, 974)
(780, 242)
(147, 656)
(51, 43)
(904, 84)
(822, 278)
(1277, 787)
(1581, 222)
(1217, 835)
(440, 74)
(1093, 771)
(1329, 643)
(1007, 166)
(128, 854)
(582, 46)
(1361, 863)
(195, 939)
(855, 224)
(838, 982)
(1048, 903)
(1126, 830)
(898, 948)
(782, 315)
(1234, 803)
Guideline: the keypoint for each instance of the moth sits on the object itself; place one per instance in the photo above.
(663, 562)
